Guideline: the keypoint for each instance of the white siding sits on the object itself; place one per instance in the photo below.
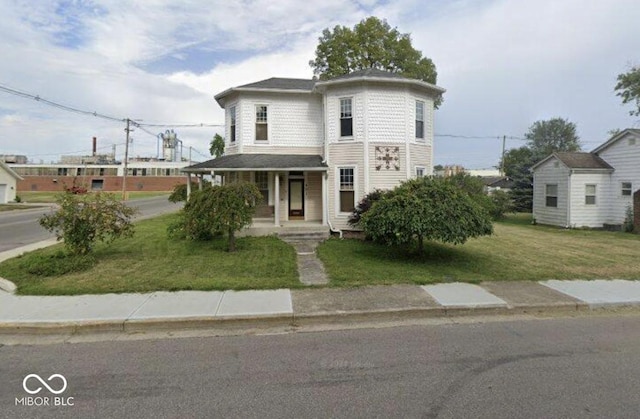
(294, 120)
(313, 196)
(625, 159)
(344, 155)
(388, 111)
(10, 186)
(332, 113)
(583, 215)
(421, 157)
(551, 172)
(386, 178)
(283, 150)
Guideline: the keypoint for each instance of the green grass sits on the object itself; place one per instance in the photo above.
(48, 197)
(516, 251)
(151, 262)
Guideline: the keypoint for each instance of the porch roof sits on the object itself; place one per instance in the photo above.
(260, 163)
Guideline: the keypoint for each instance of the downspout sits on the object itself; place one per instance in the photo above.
(334, 230)
(326, 160)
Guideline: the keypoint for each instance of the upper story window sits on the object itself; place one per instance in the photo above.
(551, 195)
(262, 132)
(626, 188)
(346, 117)
(232, 115)
(419, 171)
(419, 119)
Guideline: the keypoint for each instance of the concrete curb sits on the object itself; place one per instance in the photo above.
(259, 322)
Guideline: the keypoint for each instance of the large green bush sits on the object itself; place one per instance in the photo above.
(426, 209)
(215, 210)
(84, 218)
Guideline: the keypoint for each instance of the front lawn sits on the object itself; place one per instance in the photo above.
(49, 197)
(516, 251)
(151, 262)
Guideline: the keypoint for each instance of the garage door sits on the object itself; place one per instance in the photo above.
(3, 194)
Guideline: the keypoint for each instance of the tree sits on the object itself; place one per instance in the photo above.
(372, 43)
(546, 137)
(425, 209)
(628, 88)
(179, 193)
(84, 218)
(220, 209)
(216, 147)
(517, 166)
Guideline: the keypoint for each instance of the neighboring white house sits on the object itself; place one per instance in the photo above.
(588, 189)
(8, 183)
(315, 148)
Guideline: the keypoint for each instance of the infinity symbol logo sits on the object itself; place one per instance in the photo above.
(37, 377)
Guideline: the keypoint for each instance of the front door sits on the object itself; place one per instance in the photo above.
(296, 197)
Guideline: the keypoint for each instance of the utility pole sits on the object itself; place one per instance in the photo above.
(504, 140)
(126, 158)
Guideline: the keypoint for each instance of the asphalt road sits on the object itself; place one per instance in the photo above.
(570, 368)
(19, 228)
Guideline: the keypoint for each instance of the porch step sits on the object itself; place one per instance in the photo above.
(303, 235)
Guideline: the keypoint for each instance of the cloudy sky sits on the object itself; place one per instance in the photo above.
(505, 64)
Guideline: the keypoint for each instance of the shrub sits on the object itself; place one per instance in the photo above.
(364, 205)
(18, 199)
(501, 205)
(627, 225)
(84, 218)
(426, 209)
(179, 193)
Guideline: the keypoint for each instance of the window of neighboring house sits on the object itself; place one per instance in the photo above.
(590, 194)
(419, 171)
(232, 115)
(347, 189)
(261, 123)
(419, 119)
(626, 188)
(551, 195)
(346, 117)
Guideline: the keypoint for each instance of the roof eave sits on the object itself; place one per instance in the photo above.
(220, 96)
(255, 169)
(614, 139)
(437, 89)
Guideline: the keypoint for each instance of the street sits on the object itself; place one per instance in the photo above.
(563, 367)
(19, 228)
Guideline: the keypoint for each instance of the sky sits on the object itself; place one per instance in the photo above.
(505, 64)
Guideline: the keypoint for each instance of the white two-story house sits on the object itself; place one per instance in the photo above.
(315, 148)
(588, 189)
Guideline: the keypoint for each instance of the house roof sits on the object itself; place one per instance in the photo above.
(289, 85)
(260, 162)
(497, 181)
(9, 170)
(577, 160)
(622, 134)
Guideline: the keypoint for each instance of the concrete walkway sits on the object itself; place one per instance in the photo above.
(284, 307)
(310, 268)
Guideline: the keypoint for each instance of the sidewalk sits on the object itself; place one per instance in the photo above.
(224, 309)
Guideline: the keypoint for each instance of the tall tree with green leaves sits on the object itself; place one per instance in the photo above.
(216, 148)
(628, 88)
(372, 43)
(556, 134)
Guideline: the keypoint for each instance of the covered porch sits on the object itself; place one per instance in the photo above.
(293, 187)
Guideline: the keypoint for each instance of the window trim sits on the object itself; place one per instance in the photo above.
(587, 195)
(623, 189)
(341, 118)
(548, 195)
(339, 189)
(265, 123)
(424, 169)
(422, 136)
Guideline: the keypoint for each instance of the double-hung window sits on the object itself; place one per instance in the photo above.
(346, 117)
(419, 171)
(419, 120)
(626, 188)
(551, 195)
(347, 189)
(262, 131)
(232, 116)
(590, 194)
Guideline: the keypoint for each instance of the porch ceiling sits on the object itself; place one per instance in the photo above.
(260, 162)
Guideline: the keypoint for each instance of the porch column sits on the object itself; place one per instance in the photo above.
(325, 201)
(188, 185)
(276, 199)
